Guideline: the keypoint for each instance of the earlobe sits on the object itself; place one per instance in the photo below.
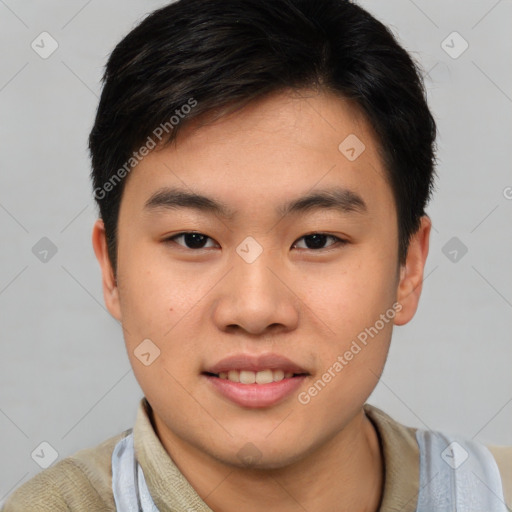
(110, 289)
(411, 274)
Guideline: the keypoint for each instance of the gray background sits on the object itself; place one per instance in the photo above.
(64, 374)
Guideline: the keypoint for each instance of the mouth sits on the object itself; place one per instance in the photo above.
(255, 381)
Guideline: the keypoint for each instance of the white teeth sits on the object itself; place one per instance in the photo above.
(234, 375)
(247, 377)
(278, 375)
(264, 377)
(250, 377)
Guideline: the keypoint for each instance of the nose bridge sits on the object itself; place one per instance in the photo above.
(256, 284)
(253, 297)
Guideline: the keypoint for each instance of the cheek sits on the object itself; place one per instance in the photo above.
(159, 302)
(351, 294)
(358, 308)
(153, 293)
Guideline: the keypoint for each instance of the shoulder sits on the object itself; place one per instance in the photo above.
(404, 439)
(81, 482)
(503, 457)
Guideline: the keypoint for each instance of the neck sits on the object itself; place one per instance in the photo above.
(344, 474)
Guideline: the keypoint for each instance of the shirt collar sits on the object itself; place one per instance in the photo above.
(401, 462)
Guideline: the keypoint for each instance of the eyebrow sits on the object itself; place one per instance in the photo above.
(338, 198)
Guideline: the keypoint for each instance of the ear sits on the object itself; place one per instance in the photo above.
(110, 289)
(411, 273)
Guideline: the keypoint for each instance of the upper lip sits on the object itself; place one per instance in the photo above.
(255, 363)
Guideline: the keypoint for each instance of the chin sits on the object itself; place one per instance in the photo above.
(260, 454)
(264, 463)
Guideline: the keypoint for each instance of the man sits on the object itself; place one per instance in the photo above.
(262, 170)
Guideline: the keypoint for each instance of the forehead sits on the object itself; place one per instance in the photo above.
(282, 146)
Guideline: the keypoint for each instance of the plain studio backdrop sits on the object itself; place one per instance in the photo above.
(65, 379)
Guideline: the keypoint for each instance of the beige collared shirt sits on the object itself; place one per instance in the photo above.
(83, 482)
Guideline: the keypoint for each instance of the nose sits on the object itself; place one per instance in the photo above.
(256, 297)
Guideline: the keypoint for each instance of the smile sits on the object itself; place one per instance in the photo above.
(251, 377)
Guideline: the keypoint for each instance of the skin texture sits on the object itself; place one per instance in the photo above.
(201, 305)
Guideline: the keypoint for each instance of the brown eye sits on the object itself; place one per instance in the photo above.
(190, 240)
(316, 241)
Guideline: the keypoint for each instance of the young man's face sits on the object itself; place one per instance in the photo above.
(259, 283)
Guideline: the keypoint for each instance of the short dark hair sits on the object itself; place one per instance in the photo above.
(218, 55)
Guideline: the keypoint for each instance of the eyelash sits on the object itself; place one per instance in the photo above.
(337, 241)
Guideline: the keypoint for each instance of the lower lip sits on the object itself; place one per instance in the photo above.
(256, 395)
